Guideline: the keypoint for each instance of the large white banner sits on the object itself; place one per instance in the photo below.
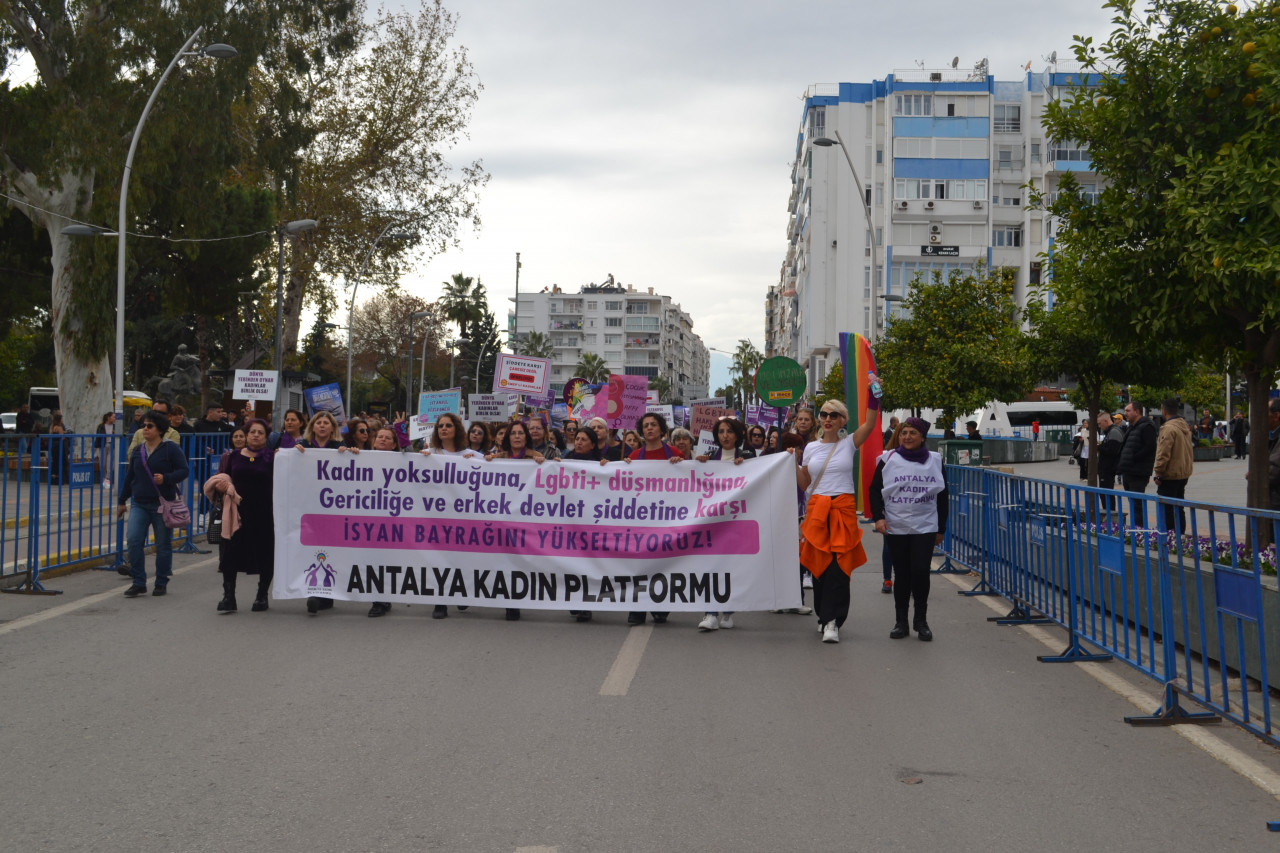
(385, 526)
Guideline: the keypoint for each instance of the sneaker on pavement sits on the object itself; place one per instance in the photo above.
(807, 583)
(726, 621)
(831, 634)
(887, 588)
(709, 623)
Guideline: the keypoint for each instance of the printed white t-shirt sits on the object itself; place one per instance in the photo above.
(911, 492)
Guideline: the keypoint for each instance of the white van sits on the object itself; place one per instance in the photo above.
(1013, 420)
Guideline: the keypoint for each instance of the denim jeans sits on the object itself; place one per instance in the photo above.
(141, 518)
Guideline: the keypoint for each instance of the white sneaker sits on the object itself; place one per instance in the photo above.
(822, 626)
(726, 621)
(709, 623)
(831, 634)
(807, 583)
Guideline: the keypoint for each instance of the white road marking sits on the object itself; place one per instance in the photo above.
(71, 606)
(1255, 771)
(625, 665)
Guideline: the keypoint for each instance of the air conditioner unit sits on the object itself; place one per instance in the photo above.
(902, 205)
(935, 238)
(977, 205)
(928, 205)
(935, 229)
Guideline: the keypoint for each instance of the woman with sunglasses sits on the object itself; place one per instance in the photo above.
(359, 435)
(909, 506)
(755, 439)
(831, 543)
(156, 467)
(479, 439)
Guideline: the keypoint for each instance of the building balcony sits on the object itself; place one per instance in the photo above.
(643, 342)
(566, 324)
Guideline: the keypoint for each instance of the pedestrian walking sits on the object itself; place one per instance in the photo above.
(446, 440)
(729, 438)
(244, 480)
(831, 547)
(155, 469)
(909, 505)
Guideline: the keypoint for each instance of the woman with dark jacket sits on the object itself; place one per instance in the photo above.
(167, 468)
(729, 435)
(909, 506)
(250, 548)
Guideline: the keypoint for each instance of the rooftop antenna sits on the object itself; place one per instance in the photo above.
(955, 61)
(919, 63)
(1053, 58)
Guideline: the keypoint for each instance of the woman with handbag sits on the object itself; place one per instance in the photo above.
(831, 547)
(154, 471)
(248, 535)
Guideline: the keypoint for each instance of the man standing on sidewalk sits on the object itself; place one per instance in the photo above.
(1137, 456)
(1110, 440)
(1175, 459)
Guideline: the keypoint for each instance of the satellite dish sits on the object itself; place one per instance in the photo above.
(955, 61)
(1053, 57)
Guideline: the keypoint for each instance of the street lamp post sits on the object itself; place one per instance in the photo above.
(297, 226)
(351, 311)
(453, 352)
(217, 51)
(824, 142)
(422, 371)
(483, 347)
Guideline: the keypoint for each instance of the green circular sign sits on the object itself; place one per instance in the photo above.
(780, 382)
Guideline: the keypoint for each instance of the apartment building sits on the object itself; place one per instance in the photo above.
(942, 159)
(636, 332)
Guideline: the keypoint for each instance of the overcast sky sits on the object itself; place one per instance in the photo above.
(654, 140)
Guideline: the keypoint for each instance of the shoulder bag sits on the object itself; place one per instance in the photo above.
(175, 513)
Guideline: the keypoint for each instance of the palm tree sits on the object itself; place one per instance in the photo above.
(592, 368)
(463, 301)
(662, 386)
(746, 361)
(536, 345)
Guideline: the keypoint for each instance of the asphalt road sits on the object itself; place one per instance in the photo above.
(157, 724)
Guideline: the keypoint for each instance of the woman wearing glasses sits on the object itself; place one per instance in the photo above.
(831, 543)
(359, 436)
(447, 439)
(155, 468)
(729, 435)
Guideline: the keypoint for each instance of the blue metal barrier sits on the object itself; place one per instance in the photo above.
(58, 497)
(1183, 592)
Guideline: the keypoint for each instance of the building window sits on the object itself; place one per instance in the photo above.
(613, 321)
(1068, 151)
(913, 105)
(866, 282)
(612, 355)
(1008, 118)
(613, 306)
(909, 188)
(818, 122)
(612, 339)
(879, 156)
(1009, 237)
(592, 306)
(1035, 153)
(879, 193)
(879, 236)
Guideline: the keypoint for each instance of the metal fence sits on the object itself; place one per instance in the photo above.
(1183, 592)
(58, 500)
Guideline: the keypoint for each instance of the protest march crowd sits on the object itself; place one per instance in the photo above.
(907, 499)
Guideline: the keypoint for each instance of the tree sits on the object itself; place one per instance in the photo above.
(1071, 339)
(482, 352)
(746, 361)
(832, 388)
(464, 301)
(592, 368)
(959, 347)
(662, 386)
(536, 345)
(384, 115)
(1181, 116)
(66, 132)
(381, 342)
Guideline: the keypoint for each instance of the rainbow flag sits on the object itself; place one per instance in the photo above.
(857, 361)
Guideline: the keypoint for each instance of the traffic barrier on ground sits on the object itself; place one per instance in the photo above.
(1184, 592)
(58, 497)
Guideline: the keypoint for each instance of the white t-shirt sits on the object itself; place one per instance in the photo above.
(838, 478)
(911, 493)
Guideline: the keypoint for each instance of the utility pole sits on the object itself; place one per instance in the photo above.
(515, 332)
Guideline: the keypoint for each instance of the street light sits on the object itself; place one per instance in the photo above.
(824, 142)
(422, 374)
(217, 51)
(297, 226)
(351, 311)
(889, 299)
(453, 352)
(483, 347)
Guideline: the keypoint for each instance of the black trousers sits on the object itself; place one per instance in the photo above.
(1174, 489)
(229, 583)
(831, 595)
(1136, 484)
(912, 561)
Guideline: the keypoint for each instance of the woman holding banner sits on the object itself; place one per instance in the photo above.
(831, 543)
(479, 440)
(653, 427)
(610, 450)
(729, 435)
(359, 434)
(321, 434)
(909, 505)
(515, 445)
(447, 440)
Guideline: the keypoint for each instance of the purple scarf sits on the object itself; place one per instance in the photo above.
(919, 456)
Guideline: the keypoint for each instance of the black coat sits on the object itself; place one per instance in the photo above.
(1138, 454)
(1109, 445)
